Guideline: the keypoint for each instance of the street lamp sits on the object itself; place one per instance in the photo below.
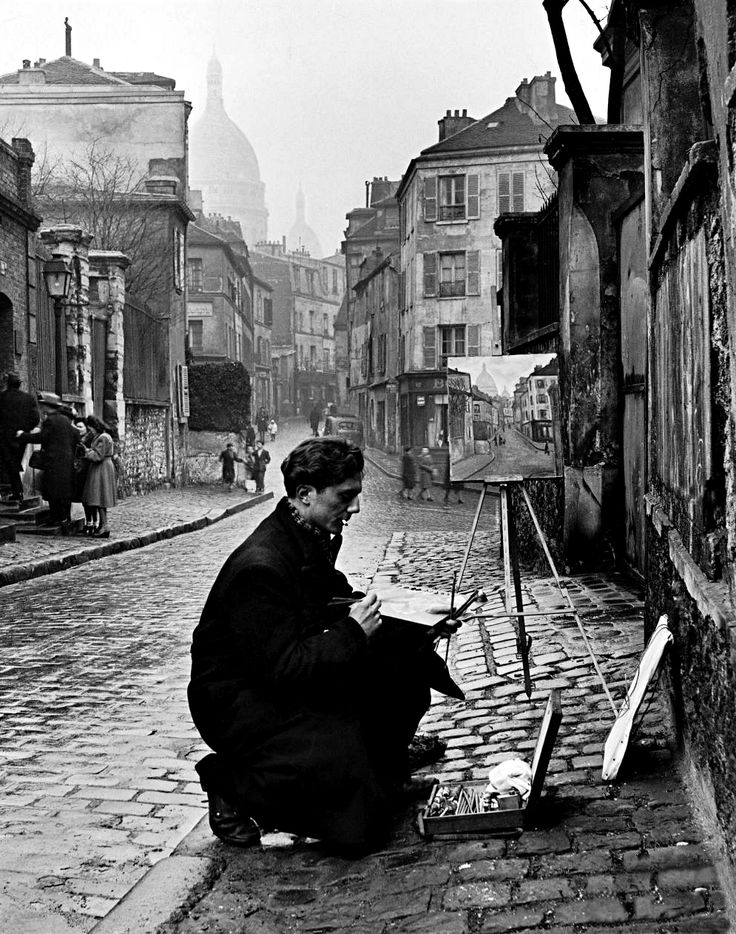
(58, 276)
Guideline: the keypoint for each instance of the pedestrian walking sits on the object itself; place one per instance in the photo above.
(314, 419)
(308, 704)
(249, 464)
(426, 474)
(262, 424)
(58, 440)
(272, 428)
(18, 412)
(81, 469)
(100, 488)
(261, 459)
(229, 457)
(408, 473)
(447, 471)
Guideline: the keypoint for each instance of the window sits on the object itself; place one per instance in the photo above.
(452, 197)
(325, 325)
(459, 274)
(326, 356)
(311, 321)
(195, 280)
(268, 312)
(452, 342)
(178, 258)
(334, 280)
(195, 336)
(452, 274)
(459, 197)
(510, 192)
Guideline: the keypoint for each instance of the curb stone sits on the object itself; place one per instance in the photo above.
(21, 572)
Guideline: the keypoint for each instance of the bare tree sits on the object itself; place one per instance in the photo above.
(104, 193)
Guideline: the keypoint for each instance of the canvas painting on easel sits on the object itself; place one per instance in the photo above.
(503, 417)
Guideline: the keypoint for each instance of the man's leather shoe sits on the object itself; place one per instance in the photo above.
(229, 825)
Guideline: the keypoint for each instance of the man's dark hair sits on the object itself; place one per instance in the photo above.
(13, 380)
(321, 462)
(93, 421)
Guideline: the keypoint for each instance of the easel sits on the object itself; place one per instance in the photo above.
(512, 578)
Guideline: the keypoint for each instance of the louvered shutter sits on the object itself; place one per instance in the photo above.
(504, 193)
(430, 274)
(430, 198)
(402, 290)
(473, 196)
(473, 340)
(472, 259)
(429, 348)
(518, 191)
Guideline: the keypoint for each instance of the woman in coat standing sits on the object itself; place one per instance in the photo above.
(100, 488)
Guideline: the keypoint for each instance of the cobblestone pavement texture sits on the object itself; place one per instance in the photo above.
(97, 754)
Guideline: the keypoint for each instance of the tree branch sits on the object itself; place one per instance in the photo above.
(564, 59)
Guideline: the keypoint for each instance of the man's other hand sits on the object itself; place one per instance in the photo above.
(366, 613)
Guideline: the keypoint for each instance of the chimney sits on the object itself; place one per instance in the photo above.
(28, 75)
(451, 123)
(539, 96)
(68, 37)
(161, 185)
(381, 188)
(96, 63)
(26, 63)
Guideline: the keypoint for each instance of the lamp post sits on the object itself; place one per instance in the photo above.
(58, 276)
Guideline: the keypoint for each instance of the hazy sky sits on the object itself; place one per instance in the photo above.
(329, 92)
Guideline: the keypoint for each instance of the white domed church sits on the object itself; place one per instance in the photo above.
(223, 164)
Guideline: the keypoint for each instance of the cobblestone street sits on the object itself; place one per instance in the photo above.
(97, 756)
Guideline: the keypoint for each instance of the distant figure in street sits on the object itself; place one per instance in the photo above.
(426, 474)
(408, 473)
(314, 419)
(546, 447)
(273, 428)
(18, 412)
(229, 458)
(100, 488)
(261, 459)
(308, 704)
(249, 464)
(250, 434)
(262, 424)
(58, 439)
(447, 468)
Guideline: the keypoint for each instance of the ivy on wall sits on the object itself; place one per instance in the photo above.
(219, 397)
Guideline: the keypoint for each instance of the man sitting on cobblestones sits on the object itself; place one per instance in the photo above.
(309, 704)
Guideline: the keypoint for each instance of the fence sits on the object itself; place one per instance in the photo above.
(146, 365)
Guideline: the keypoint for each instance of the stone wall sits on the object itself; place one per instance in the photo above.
(144, 462)
(202, 461)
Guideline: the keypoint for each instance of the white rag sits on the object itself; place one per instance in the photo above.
(511, 775)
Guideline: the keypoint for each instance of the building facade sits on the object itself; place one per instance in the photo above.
(307, 294)
(450, 260)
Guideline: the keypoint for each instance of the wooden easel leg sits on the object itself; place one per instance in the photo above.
(513, 577)
(473, 530)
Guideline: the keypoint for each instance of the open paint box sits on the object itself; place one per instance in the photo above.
(461, 809)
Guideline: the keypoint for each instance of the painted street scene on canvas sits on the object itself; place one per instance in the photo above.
(367, 467)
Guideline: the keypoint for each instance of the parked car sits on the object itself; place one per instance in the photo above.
(345, 426)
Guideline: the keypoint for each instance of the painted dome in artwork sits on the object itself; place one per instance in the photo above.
(486, 383)
(301, 236)
(223, 164)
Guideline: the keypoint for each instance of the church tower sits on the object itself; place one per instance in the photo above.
(301, 236)
(223, 164)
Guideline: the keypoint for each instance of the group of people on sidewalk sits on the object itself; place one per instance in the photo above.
(256, 458)
(422, 468)
(76, 456)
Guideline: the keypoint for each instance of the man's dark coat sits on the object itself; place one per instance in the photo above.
(18, 412)
(58, 439)
(309, 720)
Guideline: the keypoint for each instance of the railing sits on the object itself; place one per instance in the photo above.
(452, 289)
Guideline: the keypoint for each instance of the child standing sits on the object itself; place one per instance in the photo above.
(273, 428)
(228, 458)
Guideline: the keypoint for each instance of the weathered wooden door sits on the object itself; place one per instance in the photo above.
(634, 294)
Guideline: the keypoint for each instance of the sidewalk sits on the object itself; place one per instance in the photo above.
(600, 857)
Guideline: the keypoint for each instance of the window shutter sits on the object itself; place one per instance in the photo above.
(472, 258)
(402, 290)
(518, 191)
(430, 274)
(430, 198)
(473, 196)
(473, 340)
(429, 349)
(504, 193)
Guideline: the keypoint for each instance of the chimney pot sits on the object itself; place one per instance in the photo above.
(465, 112)
(457, 113)
(96, 62)
(26, 63)
(42, 61)
(449, 113)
